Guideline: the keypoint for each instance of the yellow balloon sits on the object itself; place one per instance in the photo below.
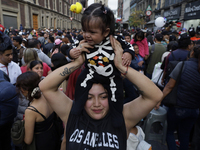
(73, 8)
(76, 8)
(79, 7)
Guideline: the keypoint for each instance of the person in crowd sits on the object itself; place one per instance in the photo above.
(138, 62)
(33, 43)
(185, 45)
(7, 65)
(56, 48)
(63, 50)
(17, 50)
(30, 55)
(185, 113)
(149, 38)
(141, 41)
(95, 117)
(39, 116)
(8, 110)
(172, 38)
(49, 46)
(59, 60)
(99, 62)
(156, 51)
(5, 41)
(41, 37)
(37, 66)
(173, 45)
(127, 37)
(165, 40)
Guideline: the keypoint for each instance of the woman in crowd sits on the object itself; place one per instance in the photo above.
(39, 116)
(185, 113)
(37, 66)
(93, 128)
(30, 55)
(141, 41)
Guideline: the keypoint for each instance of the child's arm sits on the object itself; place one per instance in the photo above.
(76, 51)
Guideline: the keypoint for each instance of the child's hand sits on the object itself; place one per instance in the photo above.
(83, 46)
(126, 59)
(140, 63)
(75, 53)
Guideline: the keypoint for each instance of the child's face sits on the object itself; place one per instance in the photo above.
(94, 35)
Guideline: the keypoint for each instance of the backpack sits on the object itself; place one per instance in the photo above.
(8, 102)
(171, 65)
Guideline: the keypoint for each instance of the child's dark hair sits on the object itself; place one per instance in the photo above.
(98, 11)
(34, 63)
(29, 81)
(139, 34)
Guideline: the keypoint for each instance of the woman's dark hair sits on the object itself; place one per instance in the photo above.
(173, 45)
(69, 38)
(64, 49)
(196, 50)
(139, 34)
(34, 63)
(58, 60)
(29, 81)
(95, 12)
(56, 47)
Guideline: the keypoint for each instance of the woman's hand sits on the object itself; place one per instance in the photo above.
(118, 54)
(126, 59)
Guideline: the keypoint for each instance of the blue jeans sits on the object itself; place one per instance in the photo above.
(183, 119)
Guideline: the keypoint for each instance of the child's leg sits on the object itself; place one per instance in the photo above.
(81, 90)
(116, 102)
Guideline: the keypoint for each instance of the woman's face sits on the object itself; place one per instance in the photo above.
(38, 69)
(97, 104)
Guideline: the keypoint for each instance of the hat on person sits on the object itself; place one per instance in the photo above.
(51, 38)
(159, 37)
(172, 38)
(1, 29)
(57, 41)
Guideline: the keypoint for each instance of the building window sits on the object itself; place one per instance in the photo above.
(47, 3)
(60, 7)
(42, 21)
(54, 4)
(34, 1)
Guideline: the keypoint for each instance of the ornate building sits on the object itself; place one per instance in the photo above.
(39, 14)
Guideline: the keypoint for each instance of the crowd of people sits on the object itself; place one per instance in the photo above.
(89, 88)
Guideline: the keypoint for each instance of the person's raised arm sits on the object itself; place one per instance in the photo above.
(59, 102)
(137, 109)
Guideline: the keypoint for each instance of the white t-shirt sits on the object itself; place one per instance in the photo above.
(12, 70)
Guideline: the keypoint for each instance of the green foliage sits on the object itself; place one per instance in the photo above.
(136, 18)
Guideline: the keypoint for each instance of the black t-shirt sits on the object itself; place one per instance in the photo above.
(85, 133)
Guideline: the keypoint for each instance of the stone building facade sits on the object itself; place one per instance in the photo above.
(39, 14)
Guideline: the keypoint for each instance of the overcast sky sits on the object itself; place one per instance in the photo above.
(112, 4)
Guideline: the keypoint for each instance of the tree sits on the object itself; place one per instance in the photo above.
(136, 18)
